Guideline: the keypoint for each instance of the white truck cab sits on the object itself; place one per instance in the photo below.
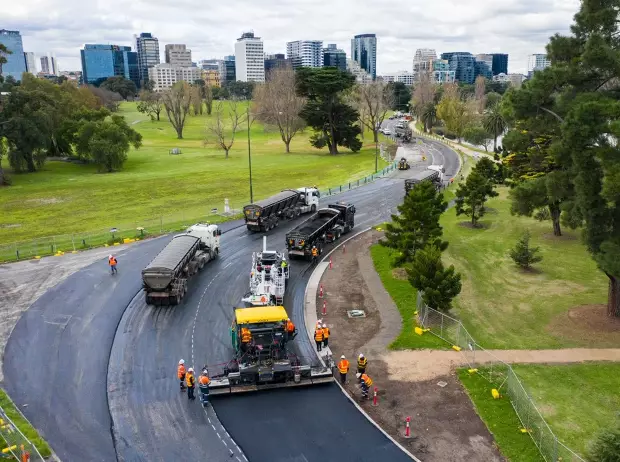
(209, 235)
(438, 168)
(310, 198)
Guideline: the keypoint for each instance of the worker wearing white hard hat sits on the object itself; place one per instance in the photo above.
(181, 373)
(343, 368)
(325, 330)
(112, 261)
(361, 364)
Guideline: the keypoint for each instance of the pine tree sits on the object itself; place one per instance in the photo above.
(606, 448)
(524, 255)
(418, 223)
(472, 195)
(437, 284)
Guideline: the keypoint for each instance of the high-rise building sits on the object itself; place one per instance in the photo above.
(500, 63)
(249, 58)
(483, 68)
(277, 61)
(30, 62)
(178, 55)
(54, 66)
(364, 52)
(147, 48)
(361, 76)
(15, 64)
(405, 77)
(423, 60)
(486, 58)
(209, 64)
(441, 72)
(164, 76)
(102, 61)
(211, 78)
(227, 70)
(463, 64)
(45, 65)
(538, 62)
(305, 53)
(333, 57)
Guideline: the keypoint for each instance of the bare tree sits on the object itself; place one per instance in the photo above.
(196, 96)
(224, 132)
(423, 92)
(479, 94)
(177, 101)
(208, 96)
(373, 101)
(277, 104)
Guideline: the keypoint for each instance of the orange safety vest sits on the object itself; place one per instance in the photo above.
(190, 380)
(181, 371)
(315, 252)
(290, 327)
(246, 335)
(318, 335)
(112, 261)
(204, 380)
(367, 380)
(343, 366)
(325, 332)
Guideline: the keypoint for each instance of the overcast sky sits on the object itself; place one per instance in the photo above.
(516, 27)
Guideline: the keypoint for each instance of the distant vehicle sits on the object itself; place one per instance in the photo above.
(387, 132)
(433, 174)
(403, 164)
(266, 214)
(404, 131)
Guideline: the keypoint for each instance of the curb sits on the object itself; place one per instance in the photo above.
(310, 314)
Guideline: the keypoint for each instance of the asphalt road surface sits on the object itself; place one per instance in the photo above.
(96, 367)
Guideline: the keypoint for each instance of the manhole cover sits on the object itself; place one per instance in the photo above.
(356, 313)
(442, 384)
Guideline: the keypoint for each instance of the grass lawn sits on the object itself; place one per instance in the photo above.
(23, 425)
(576, 400)
(69, 198)
(501, 419)
(504, 307)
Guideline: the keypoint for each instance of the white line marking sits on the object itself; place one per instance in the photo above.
(218, 435)
(214, 428)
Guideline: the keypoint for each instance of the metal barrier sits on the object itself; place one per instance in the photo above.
(501, 375)
(128, 230)
(15, 443)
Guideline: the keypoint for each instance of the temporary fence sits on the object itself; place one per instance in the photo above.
(129, 230)
(503, 378)
(15, 445)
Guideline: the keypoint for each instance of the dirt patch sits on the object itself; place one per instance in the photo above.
(587, 325)
(399, 273)
(563, 237)
(468, 224)
(46, 201)
(444, 423)
(11, 225)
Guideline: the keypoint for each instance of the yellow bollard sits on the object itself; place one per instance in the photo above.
(471, 371)
(456, 348)
(495, 393)
(418, 331)
(9, 449)
(117, 243)
(37, 257)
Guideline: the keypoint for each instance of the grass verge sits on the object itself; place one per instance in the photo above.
(23, 425)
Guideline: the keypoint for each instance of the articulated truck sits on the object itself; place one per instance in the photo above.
(266, 214)
(327, 225)
(434, 173)
(164, 280)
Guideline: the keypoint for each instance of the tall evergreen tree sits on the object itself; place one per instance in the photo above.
(418, 223)
(472, 195)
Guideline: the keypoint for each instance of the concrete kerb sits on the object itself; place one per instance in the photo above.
(310, 316)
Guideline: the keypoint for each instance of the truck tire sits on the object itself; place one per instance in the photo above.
(313, 208)
(148, 300)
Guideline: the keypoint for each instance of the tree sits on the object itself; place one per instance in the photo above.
(494, 122)
(150, 103)
(106, 142)
(373, 102)
(239, 90)
(196, 99)
(606, 447)
(277, 104)
(429, 116)
(480, 93)
(333, 121)
(524, 255)
(496, 87)
(120, 85)
(493, 99)
(487, 168)
(456, 113)
(225, 135)
(177, 101)
(423, 93)
(4, 52)
(472, 195)
(437, 284)
(478, 136)
(209, 96)
(401, 95)
(107, 98)
(417, 224)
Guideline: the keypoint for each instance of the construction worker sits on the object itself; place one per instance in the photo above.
(112, 261)
(361, 364)
(325, 335)
(283, 266)
(290, 328)
(343, 368)
(190, 380)
(181, 373)
(203, 385)
(315, 254)
(246, 338)
(365, 382)
(318, 337)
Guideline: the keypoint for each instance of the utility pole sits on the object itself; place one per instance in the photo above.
(250, 156)
(376, 156)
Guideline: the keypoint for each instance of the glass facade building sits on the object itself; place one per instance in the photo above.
(500, 63)
(333, 57)
(463, 64)
(102, 61)
(16, 62)
(364, 52)
(227, 70)
(147, 48)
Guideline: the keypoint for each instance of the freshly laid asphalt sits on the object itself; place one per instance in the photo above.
(94, 368)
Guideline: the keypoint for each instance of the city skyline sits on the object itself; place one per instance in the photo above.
(517, 28)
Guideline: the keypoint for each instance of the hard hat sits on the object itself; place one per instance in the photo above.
(181, 361)
(109, 256)
(191, 369)
(361, 355)
(324, 325)
(342, 357)
(358, 375)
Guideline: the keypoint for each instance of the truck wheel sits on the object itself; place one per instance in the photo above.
(148, 300)
(313, 208)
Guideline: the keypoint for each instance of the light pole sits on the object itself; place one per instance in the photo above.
(376, 156)
(250, 156)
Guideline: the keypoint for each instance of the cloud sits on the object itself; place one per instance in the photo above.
(516, 27)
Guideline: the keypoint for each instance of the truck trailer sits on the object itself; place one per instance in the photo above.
(266, 214)
(434, 173)
(164, 280)
(327, 225)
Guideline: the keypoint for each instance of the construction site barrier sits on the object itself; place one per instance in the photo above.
(14, 443)
(499, 373)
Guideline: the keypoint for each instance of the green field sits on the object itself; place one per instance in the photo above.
(68, 198)
(578, 400)
(503, 307)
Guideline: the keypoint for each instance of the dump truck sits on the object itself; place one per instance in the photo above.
(268, 276)
(403, 130)
(434, 173)
(327, 225)
(263, 361)
(164, 280)
(403, 164)
(266, 214)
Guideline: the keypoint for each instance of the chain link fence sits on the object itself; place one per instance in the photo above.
(502, 376)
(15, 445)
(130, 230)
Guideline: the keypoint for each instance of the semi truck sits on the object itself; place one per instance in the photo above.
(403, 130)
(327, 225)
(268, 277)
(266, 214)
(164, 280)
(434, 173)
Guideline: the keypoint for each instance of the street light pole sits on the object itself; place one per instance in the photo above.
(250, 157)
(376, 156)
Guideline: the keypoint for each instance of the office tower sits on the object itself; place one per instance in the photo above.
(178, 55)
(305, 53)
(102, 61)
(500, 63)
(364, 52)
(463, 64)
(227, 70)
(249, 58)
(45, 65)
(333, 57)
(147, 48)
(15, 64)
(30, 62)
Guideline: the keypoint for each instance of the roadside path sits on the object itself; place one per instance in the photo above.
(456, 146)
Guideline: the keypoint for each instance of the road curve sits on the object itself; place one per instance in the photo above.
(92, 334)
